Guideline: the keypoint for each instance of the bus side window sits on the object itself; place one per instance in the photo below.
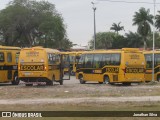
(106, 59)
(50, 58)
(115, 59)
(9, 57)
(157, 59)
(1, 57)
(17, 57)
(81, 62)
(97, 60)
(88, 61)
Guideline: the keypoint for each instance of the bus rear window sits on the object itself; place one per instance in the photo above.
(1, 57)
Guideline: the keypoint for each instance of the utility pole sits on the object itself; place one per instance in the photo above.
(154, 3)
(94, 10)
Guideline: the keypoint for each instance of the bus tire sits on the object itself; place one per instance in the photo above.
(15, 79)
(50, 82)
(158, 78)
(100, 82)
(106, 80)
(29, 84)
(81, 80)
(126, 83)
(61, 82)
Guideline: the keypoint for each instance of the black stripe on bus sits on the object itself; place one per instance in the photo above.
(53, 67)
(111, 70)
(100, 71)
(8, 67)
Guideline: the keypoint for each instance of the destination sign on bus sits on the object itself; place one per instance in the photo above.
(32, 53)
(32, 67)
(134, 56)
(112, 70)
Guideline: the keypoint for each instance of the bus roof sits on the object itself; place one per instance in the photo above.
(150, 51)
(9, 48)
(113, 50)
(41, 48)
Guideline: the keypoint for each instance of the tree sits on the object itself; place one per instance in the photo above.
(134, 40)
(157, 40)
(117, 27)
(143, 19)
(119, 42)
(29, 23)
(103, 40)
(157, 24)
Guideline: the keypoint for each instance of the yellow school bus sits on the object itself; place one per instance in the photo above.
(78, 54)
(40, 65)
(148, 58)
(73, 62)
(124, 66)
(9, 64)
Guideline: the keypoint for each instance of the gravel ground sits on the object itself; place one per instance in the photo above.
(73, 91)
(81, 100)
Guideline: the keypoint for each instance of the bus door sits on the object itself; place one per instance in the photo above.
(65, 64)
(148, 73)
(97, 67)
(3, 73)
(9, 65)
(88, 67)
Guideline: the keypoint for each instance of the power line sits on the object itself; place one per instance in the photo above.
(128, 2)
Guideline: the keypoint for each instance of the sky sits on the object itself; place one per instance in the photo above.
(78, 16)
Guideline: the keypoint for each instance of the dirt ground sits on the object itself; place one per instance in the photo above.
(75, 96)
(73, 89)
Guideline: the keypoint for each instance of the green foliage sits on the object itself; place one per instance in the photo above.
(110, 40)
(158, 21)
(133, 40)
(103, 40)
(143, 19)
(119, 42)
(117, 27)
(157, 40)
(30, 23)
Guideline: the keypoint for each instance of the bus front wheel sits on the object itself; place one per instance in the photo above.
(81, 80)
(15, 79)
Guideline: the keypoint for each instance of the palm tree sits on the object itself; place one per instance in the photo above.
(158, 21)
(117, 27)
(143, 19)
(134, 40)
